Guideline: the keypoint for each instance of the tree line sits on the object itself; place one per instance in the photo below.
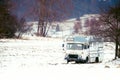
(44, 11)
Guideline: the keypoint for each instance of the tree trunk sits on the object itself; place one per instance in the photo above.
(38, 29)
(19, 35)
(118, 51)
(116, 48)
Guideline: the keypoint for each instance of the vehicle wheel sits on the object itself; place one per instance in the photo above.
(77, 62)
(68, 61)
(87, 59)
(97, 60)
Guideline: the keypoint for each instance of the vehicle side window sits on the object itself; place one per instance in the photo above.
(86, 46)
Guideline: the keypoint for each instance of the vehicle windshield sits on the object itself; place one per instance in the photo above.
(74, 46)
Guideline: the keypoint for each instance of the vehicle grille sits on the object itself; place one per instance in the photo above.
(73, 56)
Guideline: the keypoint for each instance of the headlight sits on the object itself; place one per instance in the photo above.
(82, 52)
(79, 57)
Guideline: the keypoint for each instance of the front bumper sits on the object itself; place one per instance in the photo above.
(74, 57)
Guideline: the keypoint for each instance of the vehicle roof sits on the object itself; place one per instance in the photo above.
(77, 39)
(79, 42)
(82, 39)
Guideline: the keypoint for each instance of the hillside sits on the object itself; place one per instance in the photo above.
(66, 27)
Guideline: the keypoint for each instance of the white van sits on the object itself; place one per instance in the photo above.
(82, 49)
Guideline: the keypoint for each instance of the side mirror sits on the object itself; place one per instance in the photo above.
(88, 46)
(63, 46)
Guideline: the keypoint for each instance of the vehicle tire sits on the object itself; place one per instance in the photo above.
(87, 59)
(68, 61)
(97, 60)
(77, 61)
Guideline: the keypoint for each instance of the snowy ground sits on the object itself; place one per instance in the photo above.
(43, 59)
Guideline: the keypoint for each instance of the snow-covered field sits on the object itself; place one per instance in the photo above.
(43, 59)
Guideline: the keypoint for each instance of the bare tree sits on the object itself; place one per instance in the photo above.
(95, 26)
(87, 23)
(49, 11)
(109, 26)
(112, 22)
(22, 27)
(77, 26)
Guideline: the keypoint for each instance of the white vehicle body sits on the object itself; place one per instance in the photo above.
(83, 50)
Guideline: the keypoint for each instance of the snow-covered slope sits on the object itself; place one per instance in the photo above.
(66, 27)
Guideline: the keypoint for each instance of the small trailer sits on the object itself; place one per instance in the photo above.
(83, 49)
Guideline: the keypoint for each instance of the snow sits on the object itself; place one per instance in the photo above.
(43, 59)
(39, 52)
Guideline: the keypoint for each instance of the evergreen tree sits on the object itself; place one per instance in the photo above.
(7, 20)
